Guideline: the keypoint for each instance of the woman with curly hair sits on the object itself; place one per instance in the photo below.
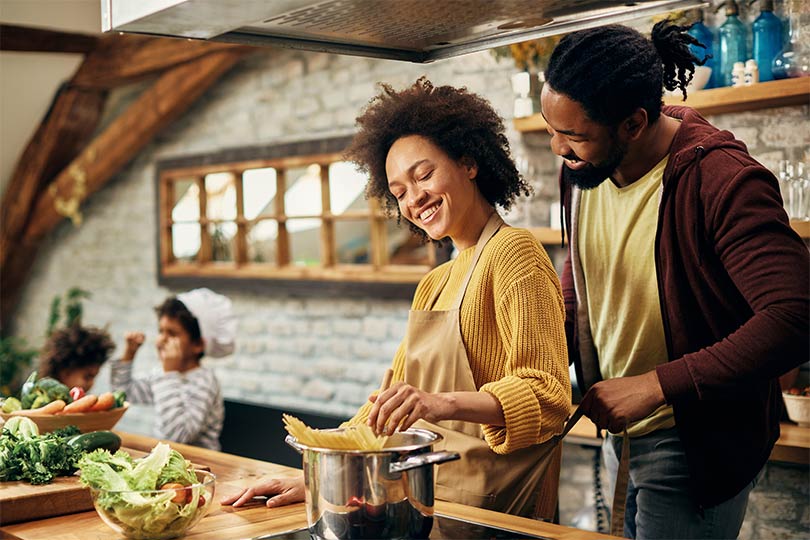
(74, 355)
(484, 359)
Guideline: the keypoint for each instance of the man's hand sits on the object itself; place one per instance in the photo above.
(615, 403)
(134, 340)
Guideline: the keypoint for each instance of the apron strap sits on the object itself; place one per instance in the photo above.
(620, 493)
(493, 224)
(622, 475)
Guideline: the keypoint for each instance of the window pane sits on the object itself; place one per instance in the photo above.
(185, 241)
(352, 242)
(404, 247)
(262, 242)
(303, 196)
(259, 192)
(220, 192)
(186, 201)
(305, 241)
(347, 188)
(222, 244)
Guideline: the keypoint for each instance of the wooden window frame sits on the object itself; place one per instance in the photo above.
(377, 278)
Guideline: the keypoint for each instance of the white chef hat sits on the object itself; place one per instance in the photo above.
(215, 317)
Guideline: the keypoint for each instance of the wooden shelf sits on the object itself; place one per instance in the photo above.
(801, 227)
(793, 445)
(720, 100)
(549, 236)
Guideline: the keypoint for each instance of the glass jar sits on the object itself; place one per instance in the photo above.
(794, 60)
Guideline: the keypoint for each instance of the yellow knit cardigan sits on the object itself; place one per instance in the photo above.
(512, 320)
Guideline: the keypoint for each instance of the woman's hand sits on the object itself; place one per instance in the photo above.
(286, 491)
(402, 404)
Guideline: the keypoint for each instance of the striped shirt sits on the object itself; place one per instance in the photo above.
(189, 406)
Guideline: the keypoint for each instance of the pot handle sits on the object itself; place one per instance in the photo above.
(421, 460)
(289, 439)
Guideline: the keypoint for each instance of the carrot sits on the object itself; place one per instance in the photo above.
(82, 404)
(105, 401)
(50, 408)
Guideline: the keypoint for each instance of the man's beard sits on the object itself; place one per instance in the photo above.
(594, 174)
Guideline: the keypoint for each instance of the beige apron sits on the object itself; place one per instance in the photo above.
(436, 361)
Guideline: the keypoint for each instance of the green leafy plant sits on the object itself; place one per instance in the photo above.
(15, 357)
(73, 309)
(532, 55)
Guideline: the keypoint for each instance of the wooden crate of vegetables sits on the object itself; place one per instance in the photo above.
(51, 405)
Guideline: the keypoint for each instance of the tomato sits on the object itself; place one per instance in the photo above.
(200, 502)
(77, 392)
(180, 492)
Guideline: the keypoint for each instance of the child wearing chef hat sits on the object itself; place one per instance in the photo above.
(186, 395)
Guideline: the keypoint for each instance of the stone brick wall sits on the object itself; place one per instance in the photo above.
(297, 353)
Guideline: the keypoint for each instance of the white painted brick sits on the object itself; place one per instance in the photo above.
(306, 106)
(375, 328)
(318, 389)
(331, 368)
(321, 328)
(351, 394)
(347, 327)
(364, 349)
(251, 326)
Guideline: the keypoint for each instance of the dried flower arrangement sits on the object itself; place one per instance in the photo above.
(530, 55)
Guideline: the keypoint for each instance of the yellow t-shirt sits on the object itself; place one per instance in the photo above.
(512, 325)
(617, 248)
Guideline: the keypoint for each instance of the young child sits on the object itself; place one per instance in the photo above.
(74, 354)
(188, 402)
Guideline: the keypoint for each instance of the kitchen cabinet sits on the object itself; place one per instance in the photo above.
(224, 522)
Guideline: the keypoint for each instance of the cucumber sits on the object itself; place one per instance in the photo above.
(87, 442)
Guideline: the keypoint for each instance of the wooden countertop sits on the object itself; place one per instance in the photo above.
(793, 445)
(225, 522)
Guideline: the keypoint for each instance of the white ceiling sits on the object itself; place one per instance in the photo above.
(28, 81)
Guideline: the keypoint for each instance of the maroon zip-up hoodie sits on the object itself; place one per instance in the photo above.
(734, 287)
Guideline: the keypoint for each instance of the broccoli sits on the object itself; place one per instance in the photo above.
(36, 393)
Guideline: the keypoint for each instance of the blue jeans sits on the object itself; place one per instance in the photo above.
(659, 505)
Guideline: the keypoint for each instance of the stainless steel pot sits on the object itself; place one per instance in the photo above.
(384, 494)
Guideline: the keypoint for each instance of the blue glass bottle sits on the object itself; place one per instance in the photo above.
(704, 35)
(767, 30)
(732, 36)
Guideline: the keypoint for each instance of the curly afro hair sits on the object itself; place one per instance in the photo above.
(73, 347)
(464, 125)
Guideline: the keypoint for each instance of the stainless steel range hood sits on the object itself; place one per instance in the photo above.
(412, 30)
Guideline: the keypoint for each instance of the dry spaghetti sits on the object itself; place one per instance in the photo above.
(355, 437)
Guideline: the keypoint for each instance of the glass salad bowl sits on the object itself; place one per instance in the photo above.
(156, 514)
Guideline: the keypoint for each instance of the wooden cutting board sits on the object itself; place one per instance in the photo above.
(21, 501)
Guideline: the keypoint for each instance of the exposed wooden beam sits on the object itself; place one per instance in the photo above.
(122, 59)
(27, 39)
(171, 94)
(67, 127)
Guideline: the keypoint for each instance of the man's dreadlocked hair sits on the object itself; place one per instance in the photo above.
(459, 122)
(613, 70)
(75, 346)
